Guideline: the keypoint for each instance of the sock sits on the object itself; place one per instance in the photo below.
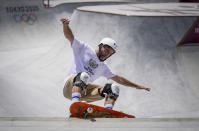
(76, 97)
(109, 106)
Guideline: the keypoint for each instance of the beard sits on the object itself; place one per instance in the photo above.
(103, 57)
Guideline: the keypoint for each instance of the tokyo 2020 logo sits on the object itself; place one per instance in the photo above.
(25, 19)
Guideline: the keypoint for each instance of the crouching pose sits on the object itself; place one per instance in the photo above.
(88, 65)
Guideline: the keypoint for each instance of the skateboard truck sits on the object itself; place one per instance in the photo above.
(87, 112)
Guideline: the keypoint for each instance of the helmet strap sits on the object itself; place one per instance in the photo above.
(100, 52)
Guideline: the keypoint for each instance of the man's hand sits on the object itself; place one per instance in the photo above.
(65, 22)
(144, 88)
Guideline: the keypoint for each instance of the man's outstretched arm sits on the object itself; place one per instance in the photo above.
(67, 31)
(123, 81)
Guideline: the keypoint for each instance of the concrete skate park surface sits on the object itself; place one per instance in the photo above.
(35, 58)
(61, 124)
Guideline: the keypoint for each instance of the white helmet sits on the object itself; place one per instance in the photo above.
(110, 42)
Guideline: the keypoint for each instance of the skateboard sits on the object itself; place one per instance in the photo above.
(89, 111)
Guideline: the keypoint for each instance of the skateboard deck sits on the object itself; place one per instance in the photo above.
(84, 110)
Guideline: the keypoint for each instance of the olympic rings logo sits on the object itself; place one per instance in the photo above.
(25, 19)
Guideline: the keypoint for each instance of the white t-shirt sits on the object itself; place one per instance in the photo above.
(86, 60)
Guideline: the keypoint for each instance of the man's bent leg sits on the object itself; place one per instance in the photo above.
(111, 93)
(76, 94)
(109, 103)
(80, 82)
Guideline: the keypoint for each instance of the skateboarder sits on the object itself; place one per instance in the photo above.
(88, 65)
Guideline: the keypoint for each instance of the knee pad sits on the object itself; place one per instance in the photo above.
(81, 80)
(111, 91)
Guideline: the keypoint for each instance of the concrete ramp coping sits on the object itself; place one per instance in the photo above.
(152, 9)
(99, 119)
(55, 123)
